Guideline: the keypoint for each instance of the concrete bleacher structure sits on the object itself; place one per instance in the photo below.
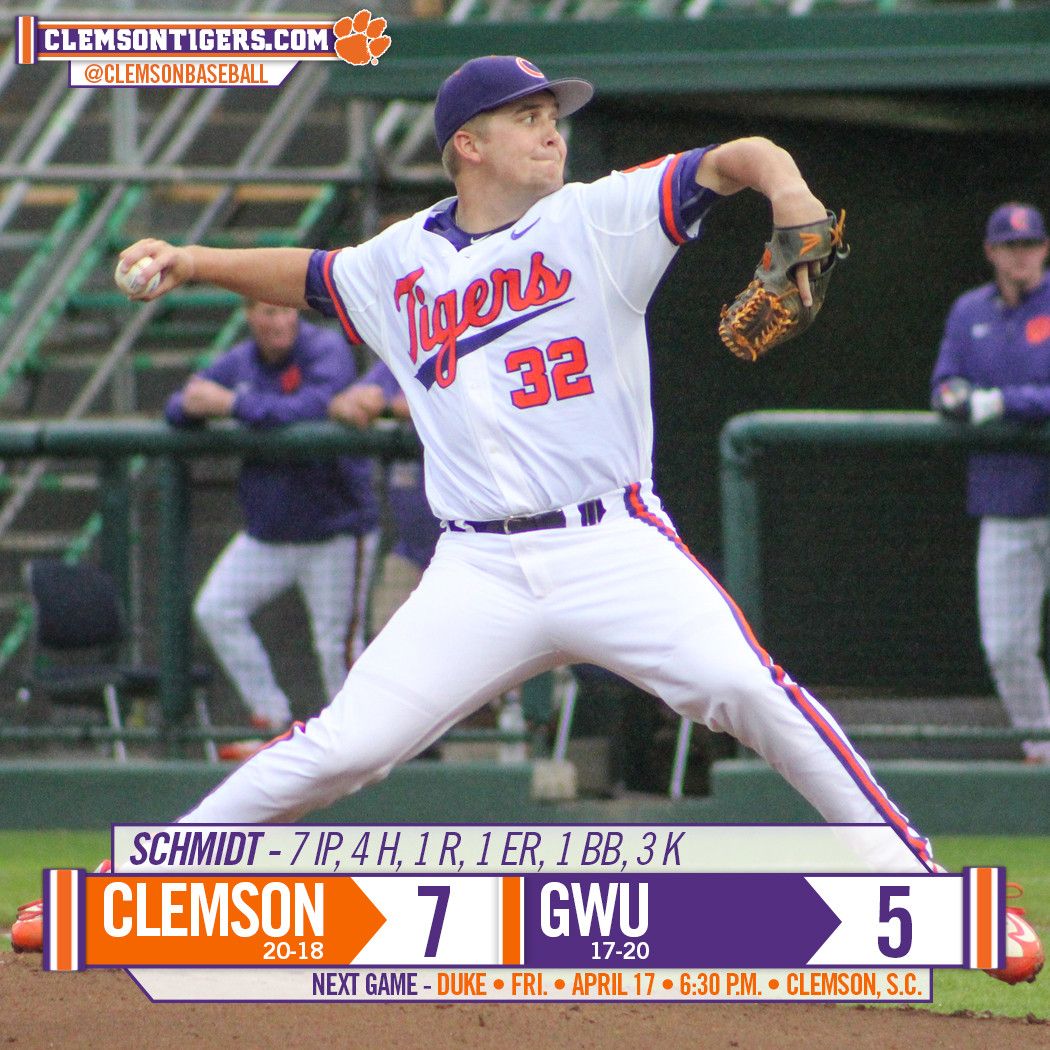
(74, 347)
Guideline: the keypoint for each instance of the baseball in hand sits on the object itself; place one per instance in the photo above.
(130, 282)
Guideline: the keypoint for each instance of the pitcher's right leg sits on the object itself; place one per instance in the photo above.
(468, 632)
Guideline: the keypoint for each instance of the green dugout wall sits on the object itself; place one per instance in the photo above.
(750, 51)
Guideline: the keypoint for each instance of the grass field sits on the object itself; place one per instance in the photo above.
(1027, 860)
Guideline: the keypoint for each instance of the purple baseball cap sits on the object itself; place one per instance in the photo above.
(490, 82)
(1015, 222)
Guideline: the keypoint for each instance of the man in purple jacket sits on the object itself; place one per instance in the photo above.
(310, 524)
(995, 363)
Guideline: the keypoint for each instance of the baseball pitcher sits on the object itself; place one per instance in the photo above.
(513, 317)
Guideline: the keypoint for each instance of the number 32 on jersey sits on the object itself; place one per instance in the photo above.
(559, 370)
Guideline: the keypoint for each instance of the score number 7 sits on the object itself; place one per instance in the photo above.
(889, 913)
(440, 895)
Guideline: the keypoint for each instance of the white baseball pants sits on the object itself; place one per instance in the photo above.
(1013, 574)
(332, 576)
(493, 610)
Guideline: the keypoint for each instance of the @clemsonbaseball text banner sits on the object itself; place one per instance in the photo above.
(131, 53)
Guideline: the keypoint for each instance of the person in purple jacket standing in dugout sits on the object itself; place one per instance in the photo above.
(994, 363)
(311, 524)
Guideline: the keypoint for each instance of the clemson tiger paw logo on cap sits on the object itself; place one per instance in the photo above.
(360, 40)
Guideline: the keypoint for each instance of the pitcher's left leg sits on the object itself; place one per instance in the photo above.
(674, 630)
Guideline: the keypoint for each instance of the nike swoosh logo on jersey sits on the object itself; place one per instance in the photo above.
(515, 234)
(428, 370)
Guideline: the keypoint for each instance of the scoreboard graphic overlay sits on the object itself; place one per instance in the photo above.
(523, 912)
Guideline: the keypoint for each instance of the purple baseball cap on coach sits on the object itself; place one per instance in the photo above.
(490, 82)
(1015, 222)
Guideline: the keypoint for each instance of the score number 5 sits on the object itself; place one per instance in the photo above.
(889, 913)
(567, 359)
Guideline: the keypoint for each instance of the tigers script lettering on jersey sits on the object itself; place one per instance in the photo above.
(439, 324)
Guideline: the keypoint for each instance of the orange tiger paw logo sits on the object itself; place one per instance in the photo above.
(360, 40)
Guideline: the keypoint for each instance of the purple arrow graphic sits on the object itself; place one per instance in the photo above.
(686, 920)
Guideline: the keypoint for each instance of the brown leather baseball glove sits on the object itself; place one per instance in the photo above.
(769, 310)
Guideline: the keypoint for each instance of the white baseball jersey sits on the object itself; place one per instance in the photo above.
(523, 354)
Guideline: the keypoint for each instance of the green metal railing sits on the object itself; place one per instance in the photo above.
(747, 438)
(117, 443)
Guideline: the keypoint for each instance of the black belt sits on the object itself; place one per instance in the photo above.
(591, 513)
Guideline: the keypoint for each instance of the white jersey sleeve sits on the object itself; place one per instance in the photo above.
(353, 283)
(640, 217)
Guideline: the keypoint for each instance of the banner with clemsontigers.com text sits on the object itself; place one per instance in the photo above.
(127, 53)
